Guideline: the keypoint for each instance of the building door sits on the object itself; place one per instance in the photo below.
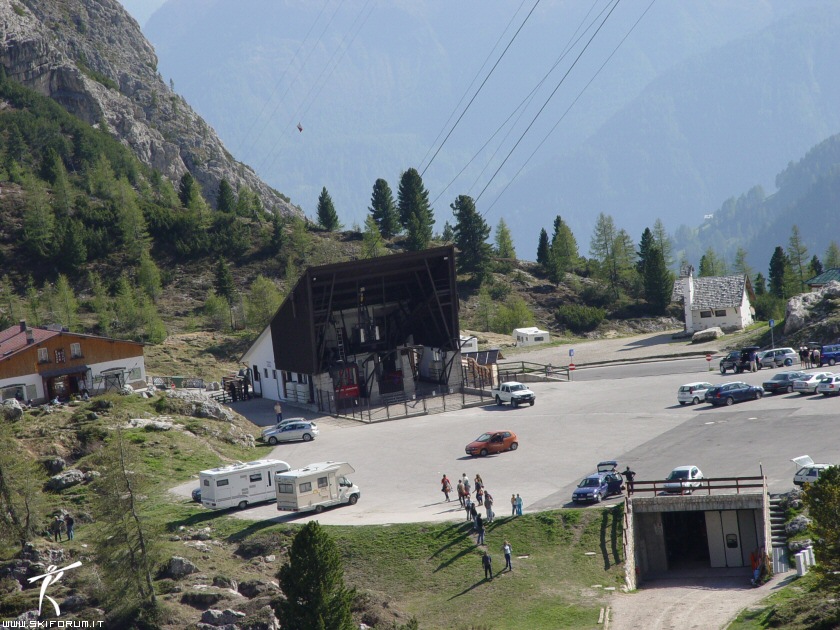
(685, 539)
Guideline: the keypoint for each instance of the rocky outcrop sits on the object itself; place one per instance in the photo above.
(803, 309)
(179, 567)
(91, 57)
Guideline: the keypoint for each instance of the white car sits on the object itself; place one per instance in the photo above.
(829, 386)
(683, 480)
(808, 383)
(305, 430)
(693, 393)
(777, 357)
(808, 472)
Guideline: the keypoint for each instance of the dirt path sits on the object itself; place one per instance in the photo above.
(686, 603)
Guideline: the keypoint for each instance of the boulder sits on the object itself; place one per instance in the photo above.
(126, 390)
(90, 475)
(221, 581)
(256, 588)
(54, 465)
(198, 405)
(202, 534)
(222, 617)
(74, 602)
(800, 308)
(797, 524)
(710, 334)
(149, 425)
(179, 567)
(65, 479)
(11, 410)
(798, 545)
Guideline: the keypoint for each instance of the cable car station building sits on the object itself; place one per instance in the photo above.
(380, 330)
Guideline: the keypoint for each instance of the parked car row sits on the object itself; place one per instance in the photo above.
(741, 360)
(824, 383)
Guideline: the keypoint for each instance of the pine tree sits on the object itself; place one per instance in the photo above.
(760, 285)
(563, 251)
(189, 192)
(416, 214)
(224, 281)
(225, 198)
(383, 210)
(658, 281)
(313, 583)
(471, 234)
(815, 267)
(543, 250)
(797, 253)
(327, 217)
(831, 259)
(66, 306)
(663, 242)
(778, 264)
(645, 243)
(448, 234)
(72, 252)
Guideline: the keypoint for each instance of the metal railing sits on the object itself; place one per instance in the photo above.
(445, 399)
(514, 370)
(738, 484)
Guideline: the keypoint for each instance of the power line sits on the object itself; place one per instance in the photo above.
(572, 104)
(474, 79)
(545, 104)
(478, 91)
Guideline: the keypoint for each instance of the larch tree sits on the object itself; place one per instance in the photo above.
(797, 253)
(223, 282)
(327, 216)
(823, 501)
(263, 300)
(504, 246)
(740, 265)
(372, 244)
(66, 305)
(831, 258)
(711, 264)
(383, 209)
(313, 583)
(563, 251)
(471, 234)
(416, 214)
(602, 249)
(38, 219)
(22, 509)
(663, 242)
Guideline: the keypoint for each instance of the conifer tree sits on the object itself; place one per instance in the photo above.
(154, 330)
(189, 192)
(22, 508)
(38, 220)
(448, 234)
(778, 264)
(658, 282)
(645, 243)
(797, 253)
(132, 223)
(416, 214)
(471, 233)
(327, 216)
(33, 304)
(759, 285)
(504, 247)
(148, 276)
(563, 251)
(66, 306)
(372, 245)
(125, 306)
(224, 281)
(216, 311)
(383, 210)
(72, 252)
(313, 583)
(542, 249)
(101, 179)
(740, 265)
(9, 304)
(663, 242)
(831, 259)
(263, 301)
(225, 198)
(101, 304)
(815, 267)
(486, 310)
(711, 264)
(602, 247)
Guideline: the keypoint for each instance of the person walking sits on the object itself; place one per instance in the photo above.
(474, 516)
(629, 475)
(445, 486)
(69, 523)
(479, 495)
(461, 492)
(278, 411)
(518, 505)
(479, 482)
(488, 506)
(753, 361)
(467, 506)
(479, 524)
(506, 549)
(513, 505)
(487, 562)
(55, 528)
(467, 490)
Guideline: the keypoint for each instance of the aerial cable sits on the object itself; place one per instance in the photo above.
(572, 104)
(522, 106)
(343, 48)
(302, 66)
(474, 79)
(573, 41)
(280, 80)
(545, 104)
(478, 91)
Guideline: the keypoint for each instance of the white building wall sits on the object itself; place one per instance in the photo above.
(261, 354)
(33, 382)
(131, 365)
(688, 302)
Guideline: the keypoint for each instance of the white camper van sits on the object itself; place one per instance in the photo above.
(240, 484)
(315, 487)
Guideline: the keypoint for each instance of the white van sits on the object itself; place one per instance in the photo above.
(240, 484)
(315, 487)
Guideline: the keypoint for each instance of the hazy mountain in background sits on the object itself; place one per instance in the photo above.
(141, 10)
(701, 101)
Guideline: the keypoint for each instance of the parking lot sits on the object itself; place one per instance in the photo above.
(628, 412)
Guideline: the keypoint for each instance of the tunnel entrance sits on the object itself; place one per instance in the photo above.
(686, 539)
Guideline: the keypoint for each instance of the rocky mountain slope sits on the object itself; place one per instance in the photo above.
(91, 57)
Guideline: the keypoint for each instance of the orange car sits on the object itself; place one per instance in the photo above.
(492, 442)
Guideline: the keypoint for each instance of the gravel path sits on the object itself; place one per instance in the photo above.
(687, 603)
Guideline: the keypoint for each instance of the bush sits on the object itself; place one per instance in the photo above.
(579, 318)
(596, 294)
(769, 307)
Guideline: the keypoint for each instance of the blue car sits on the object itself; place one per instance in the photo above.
(730, 393)
(597, 486)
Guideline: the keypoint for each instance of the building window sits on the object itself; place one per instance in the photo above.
(720, 313)
(305, 487)
(75, 351)
(274, 374)
(705, 313)
(322, 482)
(265, 370)
(43, 355)
(256, 374)
(289, 377)
(255, 477)
(302, 378)
(59, 355)
(134, 374)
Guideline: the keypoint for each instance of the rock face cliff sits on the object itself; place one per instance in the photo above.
(91, 57)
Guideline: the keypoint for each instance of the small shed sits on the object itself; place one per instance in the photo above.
(530, 336)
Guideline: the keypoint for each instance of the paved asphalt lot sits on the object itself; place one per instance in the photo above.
(629, 413)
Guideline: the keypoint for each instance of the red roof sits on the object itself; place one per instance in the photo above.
(14, 339)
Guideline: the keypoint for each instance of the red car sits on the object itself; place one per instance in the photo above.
(492, 442)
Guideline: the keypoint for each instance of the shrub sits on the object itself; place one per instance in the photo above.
(579, 318)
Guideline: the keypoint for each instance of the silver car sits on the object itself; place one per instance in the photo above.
(808, 384)
(292, 432)
(777, 357)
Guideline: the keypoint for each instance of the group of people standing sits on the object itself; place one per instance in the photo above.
(60, 525)
(809, 358)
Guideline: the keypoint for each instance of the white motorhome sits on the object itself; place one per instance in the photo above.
(315, 487)
(240, 484)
